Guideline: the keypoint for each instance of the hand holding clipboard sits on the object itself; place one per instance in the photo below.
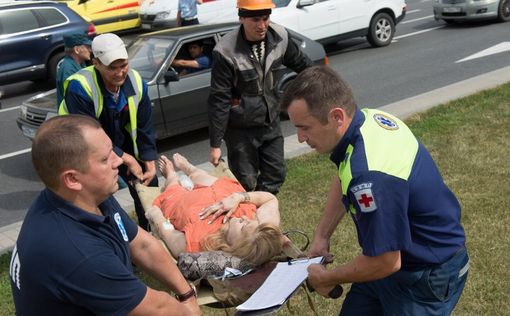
(334, 293)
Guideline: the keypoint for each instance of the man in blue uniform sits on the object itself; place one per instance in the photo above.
(413, 259)
(74, 251)
(117, 96)
(77, 48)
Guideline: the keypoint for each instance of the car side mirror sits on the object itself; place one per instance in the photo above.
(305, 3)
(171, 75)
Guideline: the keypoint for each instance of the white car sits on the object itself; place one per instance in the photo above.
(329, 21)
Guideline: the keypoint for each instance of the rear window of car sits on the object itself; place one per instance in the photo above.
(15, 21)
(52, 16)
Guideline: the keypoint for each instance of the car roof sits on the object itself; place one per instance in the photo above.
(15, 4)
(195, 30)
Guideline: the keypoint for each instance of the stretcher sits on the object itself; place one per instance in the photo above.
(227, 291)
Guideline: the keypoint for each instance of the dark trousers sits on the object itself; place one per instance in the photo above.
(140, 212)
(189, 22)
(434, 291)
(255, 157)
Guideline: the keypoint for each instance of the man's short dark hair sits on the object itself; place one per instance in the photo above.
(197, 42)
(322, 89)
(59, 145)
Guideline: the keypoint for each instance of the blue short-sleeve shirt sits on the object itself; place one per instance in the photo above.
(395, 193)
(203, 61)
(70, 262)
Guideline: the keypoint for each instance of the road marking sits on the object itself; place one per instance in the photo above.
(413, 11)
(419, 32)
(8, 109)
(16, 153)
(496, 49)
(417, 19)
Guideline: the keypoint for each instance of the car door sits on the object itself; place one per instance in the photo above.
(317, 21)
(184, 102)
(217, 11)
(355, 14)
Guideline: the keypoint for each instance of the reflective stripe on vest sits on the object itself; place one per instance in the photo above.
(87, 78)
(387, 149)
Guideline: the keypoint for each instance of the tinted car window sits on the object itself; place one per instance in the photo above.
(52, 17)
(16, 21)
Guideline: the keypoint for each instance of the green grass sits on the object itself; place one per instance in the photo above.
(470, 141)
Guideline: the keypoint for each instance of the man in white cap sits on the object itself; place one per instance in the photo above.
(117, 97)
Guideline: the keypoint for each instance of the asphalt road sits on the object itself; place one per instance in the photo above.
(426, 55)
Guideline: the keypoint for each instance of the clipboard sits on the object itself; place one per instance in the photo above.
(279, 286)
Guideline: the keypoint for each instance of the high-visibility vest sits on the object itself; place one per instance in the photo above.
(390, 147)
(87, 78)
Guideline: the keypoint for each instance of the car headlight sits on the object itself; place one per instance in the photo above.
(23, 111)
(163, 15)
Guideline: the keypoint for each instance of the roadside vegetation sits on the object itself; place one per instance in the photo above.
(470, 140)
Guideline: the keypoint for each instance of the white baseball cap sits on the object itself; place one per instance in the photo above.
(108, 48)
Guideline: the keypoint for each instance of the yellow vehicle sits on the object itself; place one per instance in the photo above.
(108, 15)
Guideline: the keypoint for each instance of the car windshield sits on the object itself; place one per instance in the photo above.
(146, 54)
(281, 3)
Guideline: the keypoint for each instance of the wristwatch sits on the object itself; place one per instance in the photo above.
(186, 296)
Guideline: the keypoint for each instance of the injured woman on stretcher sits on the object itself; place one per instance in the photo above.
(217, 214)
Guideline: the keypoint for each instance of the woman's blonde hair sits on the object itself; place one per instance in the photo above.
(257, 247)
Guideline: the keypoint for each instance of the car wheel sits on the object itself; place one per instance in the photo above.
(52, 66)
(382, 29)
(504, 11)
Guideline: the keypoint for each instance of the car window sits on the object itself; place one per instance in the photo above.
(281, 3)
(204, 60)
(147, 54)
(16, 21)
(51, 16)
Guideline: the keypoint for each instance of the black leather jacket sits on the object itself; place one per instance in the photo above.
(244, 95)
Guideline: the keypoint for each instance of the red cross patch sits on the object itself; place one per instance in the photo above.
(365, 200)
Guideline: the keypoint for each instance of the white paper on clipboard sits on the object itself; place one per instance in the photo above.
(279, 285)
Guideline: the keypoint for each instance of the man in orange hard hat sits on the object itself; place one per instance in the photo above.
(243, 103)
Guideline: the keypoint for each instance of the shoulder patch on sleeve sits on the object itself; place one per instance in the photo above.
(120, 224)
(364, 197)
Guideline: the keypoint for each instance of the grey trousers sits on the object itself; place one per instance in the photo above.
(255, 157)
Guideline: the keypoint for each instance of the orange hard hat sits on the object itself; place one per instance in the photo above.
(255, 4)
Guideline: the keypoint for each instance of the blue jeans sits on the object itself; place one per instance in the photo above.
(431, 291)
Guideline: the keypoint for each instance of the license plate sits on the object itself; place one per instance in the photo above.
(28, 131)
(146, 26)
(452, 10)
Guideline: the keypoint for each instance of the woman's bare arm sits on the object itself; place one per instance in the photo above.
(266, 203)
(174, 239)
